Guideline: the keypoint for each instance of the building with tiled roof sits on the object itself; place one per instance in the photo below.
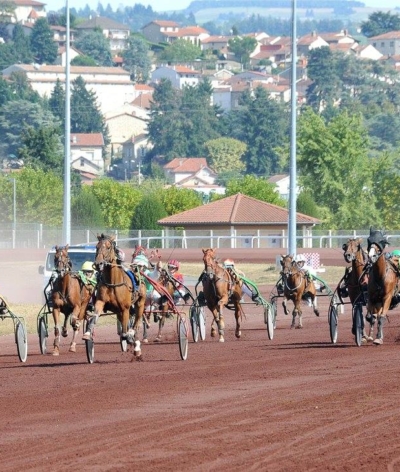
(116, 33)
(237, 219)
(215, 43)
(179, 75)
(181, 168)
(156, 30)
(112, 85)
(388, 44)
(193, 34)
(87, 153)
(27, 11)
(308, 42)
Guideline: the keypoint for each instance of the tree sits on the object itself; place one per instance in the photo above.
(118, 202)
(85, 113)
(83, 61)
(22, 47)
(39, 197)
(180, 51)
(43, 46)
(136, 58)
(57, 102)
(22, 89)
(148, 212)
(306, 204)
(380, 22)
(225, 154)
(334, 167)
(94, 44)
(15, 117)
(86, 208)
(242, 47)
(255, 187)
(42, 148)
(7, 55)
(5, 92)
(176, 200)
(263, 124)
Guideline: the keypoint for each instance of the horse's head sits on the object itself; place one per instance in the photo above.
(105, 251)
(139, 251)
(62, 262)
(351, 248)
(287, 264)
(210, 263)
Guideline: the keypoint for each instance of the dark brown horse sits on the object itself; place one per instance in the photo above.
(220, 289)
(117, 292)
(70, 295)
(296, 287)
(382, 286)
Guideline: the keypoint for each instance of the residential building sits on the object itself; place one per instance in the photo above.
(241, 217)
(193, 34)
(116, 33)
(387, 44)
(308, 42)
(87, 154)
(215, 43)
(112, 85)
(27, 11)
(178, 75)
(157, 31)
(62, 55)
(133, 152)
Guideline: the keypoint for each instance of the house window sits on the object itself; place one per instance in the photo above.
(382, 45)
(82, 162)
(391, 44)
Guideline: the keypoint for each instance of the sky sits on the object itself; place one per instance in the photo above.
(168, 5)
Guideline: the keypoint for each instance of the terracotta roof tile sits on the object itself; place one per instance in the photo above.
(86, 139)
(237, 209)
(164, 23)
(186, 164)
(144, 100)
(389, 35)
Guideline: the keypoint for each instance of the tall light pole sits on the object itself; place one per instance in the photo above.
(293, 171)
(67, 146)
(14, 204)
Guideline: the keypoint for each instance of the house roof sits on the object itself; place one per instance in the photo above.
(61, 69)
(187, 31)
(26, 3)
(217, 39)
(164, 23)
(186, 164)
(389, 35)
(237, 209)
(144, 100)
(86, 139)
(277, 178)
(103, 23)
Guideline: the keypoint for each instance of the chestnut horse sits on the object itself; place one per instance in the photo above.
(296, 285)
(382, 286)
(117, 292)
(70, 296)
(219, 289)
(355, 280)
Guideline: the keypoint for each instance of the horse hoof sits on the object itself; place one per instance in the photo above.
(56, 351)
(316, 313)
(64, 333)
(213, 334)
(145, 341)
(378, 341)
(72, 348)
(238, 334)
(157, 340)
(221, 340)
(299, 327)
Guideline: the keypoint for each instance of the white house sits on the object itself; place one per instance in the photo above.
(178, 75)
(112, 85)
(86, 153)
(282, 184)
(116, 33)
(27, 11)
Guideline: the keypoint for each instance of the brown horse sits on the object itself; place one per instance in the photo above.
(382, 286)
(117, 292)
(296, 286)
(70, 295)
(219, 289)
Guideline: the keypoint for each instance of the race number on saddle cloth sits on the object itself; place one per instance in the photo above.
(247, 288)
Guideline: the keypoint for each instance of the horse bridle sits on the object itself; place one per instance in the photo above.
(106, 253)
(62, 263)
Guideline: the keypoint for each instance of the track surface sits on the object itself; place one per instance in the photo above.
(296, 403)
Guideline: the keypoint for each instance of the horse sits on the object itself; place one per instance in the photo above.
(220, 288)
(70, 295)
(117, 292)
(382, 286)
(296, 286)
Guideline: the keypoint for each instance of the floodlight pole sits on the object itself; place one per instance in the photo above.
(292, 166)
(67, 147)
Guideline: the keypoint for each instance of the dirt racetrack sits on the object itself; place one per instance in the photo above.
(296, 403)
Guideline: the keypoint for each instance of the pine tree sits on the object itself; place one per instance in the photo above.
(43, 46)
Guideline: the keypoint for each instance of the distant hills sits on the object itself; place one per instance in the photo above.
(197, 5)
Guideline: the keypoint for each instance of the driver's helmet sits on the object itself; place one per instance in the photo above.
(300, 258)
(87, 266)
(173, 264)
(141, 261)
(229, 263)
(396, 253)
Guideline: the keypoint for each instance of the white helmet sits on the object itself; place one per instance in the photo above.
(300, 258)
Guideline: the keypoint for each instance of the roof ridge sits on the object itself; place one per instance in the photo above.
(235, 206)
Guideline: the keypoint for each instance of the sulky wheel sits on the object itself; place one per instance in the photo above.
(22, 341)
(269, 316)
(183, 333)
(358, 323)
(43, 335)
(194, 322)
(90, 350)
(333, 323)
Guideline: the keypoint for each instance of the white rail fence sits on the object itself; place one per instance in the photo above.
(40, 236)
